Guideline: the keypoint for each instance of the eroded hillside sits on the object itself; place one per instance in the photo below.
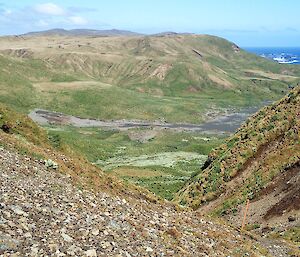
(173, 77)
(260, 163)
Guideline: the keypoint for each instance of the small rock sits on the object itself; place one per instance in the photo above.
(34, 250)
(127, 254)
(66, 237)
(28, 235)
(95, 232)
(7, 214)
(105, 245)
(53, 247)
(24, 226)
(18, 210)
(6, 128)
(149, 249)
(91, 253)
(291, 218)
(8, 243)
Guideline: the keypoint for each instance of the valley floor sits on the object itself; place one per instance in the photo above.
(159, 156)
(225, 123)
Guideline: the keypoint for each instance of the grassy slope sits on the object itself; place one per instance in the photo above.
(118, 150)
(32, 141)
(151, 77)
(113, 102)
(265, 146)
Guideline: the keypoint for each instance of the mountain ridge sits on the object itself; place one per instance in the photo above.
(198, 73)
(81, 32)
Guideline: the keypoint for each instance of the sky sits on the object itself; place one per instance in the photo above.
(245, 22)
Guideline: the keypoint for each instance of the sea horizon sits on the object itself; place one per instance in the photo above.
(284, 55)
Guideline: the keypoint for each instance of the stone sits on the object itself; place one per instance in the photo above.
(6, 128)
(95, 232)
(53, 247)
(18, 210)
(66, 237)
(91, 253)
(7, 214)
(291, 218)
(27, 235)
(8, 243)
(127, 254)
(34, 250)
(24, 226)
(105, 245)
(149, 249)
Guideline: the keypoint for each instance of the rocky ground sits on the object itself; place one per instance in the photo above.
(222, 123)
(42, 213)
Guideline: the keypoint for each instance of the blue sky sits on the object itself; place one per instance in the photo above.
(247, 23)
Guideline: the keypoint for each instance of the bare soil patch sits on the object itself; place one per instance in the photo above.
(287, 184)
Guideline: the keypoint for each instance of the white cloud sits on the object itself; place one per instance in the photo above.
(42, 23)
(78, 20)
(50, 9)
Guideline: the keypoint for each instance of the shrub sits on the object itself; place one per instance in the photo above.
(51, 164)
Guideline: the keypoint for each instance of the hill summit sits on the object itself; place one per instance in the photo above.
(172, 77)
(82, 32)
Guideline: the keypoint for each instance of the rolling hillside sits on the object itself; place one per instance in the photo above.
(171, 77)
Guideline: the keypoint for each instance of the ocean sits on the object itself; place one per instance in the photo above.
(289, 55)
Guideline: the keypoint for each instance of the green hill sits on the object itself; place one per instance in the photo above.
(168, 77)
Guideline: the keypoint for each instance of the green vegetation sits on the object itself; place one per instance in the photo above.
(173, 79)
(291, 234)
(30, 140)
(22, 126)
(243, 157)
(152, 78)
(162, 164)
